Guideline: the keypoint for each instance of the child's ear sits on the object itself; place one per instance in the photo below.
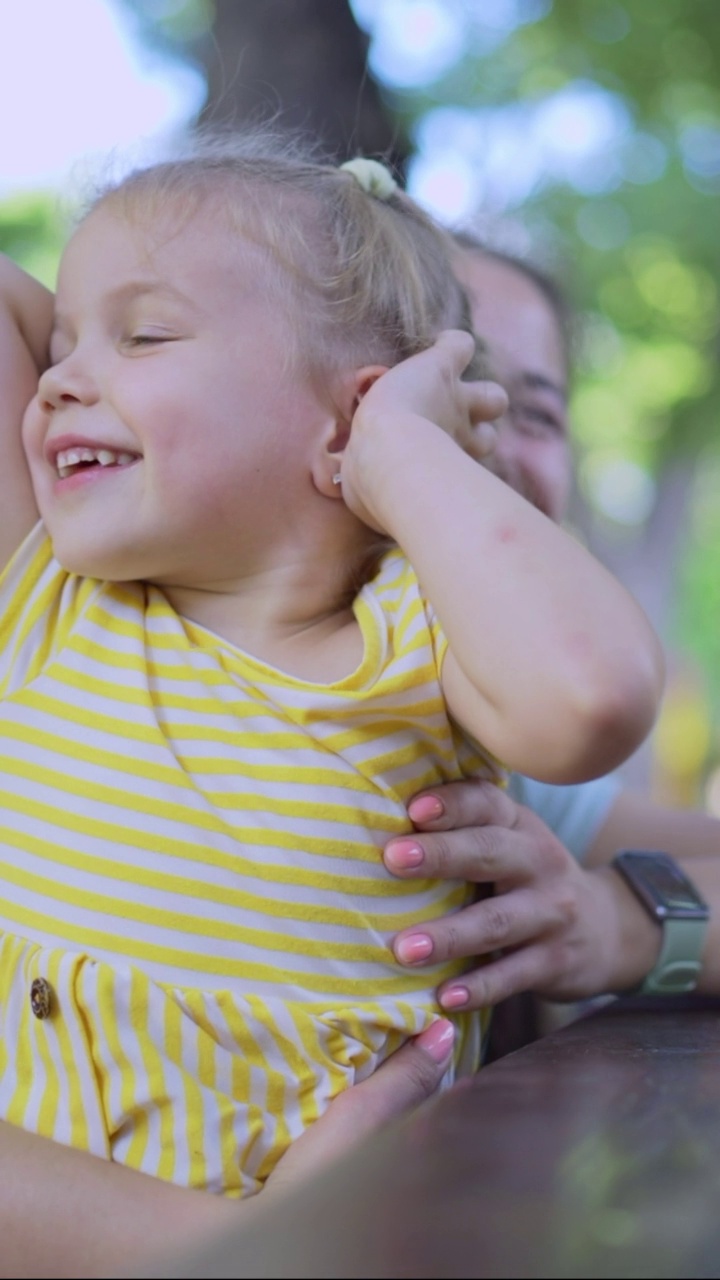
(348, 392)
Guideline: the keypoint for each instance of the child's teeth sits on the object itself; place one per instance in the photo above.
(69, 458)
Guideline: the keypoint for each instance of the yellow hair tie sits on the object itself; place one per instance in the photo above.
(373, 177)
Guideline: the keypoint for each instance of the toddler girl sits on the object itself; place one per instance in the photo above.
(219, 687)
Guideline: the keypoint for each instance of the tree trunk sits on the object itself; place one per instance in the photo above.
(303, 61)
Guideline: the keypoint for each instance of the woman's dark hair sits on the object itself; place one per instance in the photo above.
(553, 293)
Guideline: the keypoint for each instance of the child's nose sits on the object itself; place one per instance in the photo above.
(65, 384)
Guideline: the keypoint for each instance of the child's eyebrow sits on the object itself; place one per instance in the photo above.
(130, 292)
(133, 289)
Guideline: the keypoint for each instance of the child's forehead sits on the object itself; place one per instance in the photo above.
(200, 251)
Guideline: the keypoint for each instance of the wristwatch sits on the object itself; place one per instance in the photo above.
(670, 897)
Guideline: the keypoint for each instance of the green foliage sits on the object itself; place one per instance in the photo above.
(698, 621)
(172, 25)
(32, 233)
(642, 258)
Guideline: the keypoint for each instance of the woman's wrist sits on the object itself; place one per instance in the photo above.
(634, 944)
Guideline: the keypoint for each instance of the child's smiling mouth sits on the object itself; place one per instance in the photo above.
(69, 462)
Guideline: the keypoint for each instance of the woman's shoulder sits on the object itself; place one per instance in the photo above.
(574, 813)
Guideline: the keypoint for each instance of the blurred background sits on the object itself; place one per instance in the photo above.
(583, 134)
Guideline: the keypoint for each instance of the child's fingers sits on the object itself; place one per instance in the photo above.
(482, 441)
(459, 346)
(488, 401)
(485, 402)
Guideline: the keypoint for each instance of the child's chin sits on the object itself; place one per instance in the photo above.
(109, 565)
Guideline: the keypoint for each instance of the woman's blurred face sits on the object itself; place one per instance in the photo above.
(527, 357)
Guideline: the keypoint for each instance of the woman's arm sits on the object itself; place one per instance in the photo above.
(637, 822)
(551, 663)
(25, 322)
(66, 1213)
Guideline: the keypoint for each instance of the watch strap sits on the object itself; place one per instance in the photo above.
(678, 965)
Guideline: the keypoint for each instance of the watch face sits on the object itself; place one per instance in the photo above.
(659, 881)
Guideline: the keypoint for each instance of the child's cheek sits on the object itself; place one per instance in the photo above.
(34, 427)
(34, 433)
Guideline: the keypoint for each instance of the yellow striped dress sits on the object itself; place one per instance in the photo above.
(194, 913)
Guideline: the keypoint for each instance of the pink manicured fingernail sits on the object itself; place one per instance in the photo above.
(438, 1040)
(415, 949)
(426, 809)
(403, 854)
(455, 998)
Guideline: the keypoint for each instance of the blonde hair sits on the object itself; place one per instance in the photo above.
(371, 276)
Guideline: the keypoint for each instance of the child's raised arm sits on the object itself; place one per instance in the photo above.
(25, 322)
(551, 665)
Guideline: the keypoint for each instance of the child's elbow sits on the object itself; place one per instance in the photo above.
(616, 714)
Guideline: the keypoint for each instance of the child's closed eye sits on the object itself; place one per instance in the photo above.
(149, 338)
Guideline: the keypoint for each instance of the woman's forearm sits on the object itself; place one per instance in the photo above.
(66, 1213)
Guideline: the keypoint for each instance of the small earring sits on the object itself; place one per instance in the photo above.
(337, 479)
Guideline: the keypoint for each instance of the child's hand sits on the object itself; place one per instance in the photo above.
(427, 387)
(430, 386)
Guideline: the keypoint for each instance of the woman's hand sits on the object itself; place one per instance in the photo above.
(549, 926)
(426, 387)
(405, 1080)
